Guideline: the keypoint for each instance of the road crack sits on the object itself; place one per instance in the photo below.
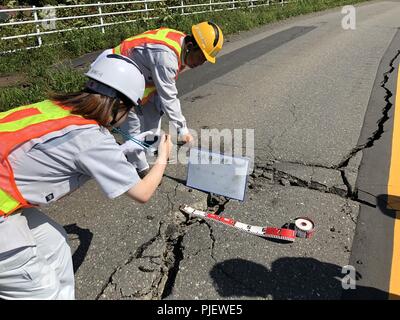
(212, 237)
(269, 174)
(137, 255)
(377, 134)
(275, 176)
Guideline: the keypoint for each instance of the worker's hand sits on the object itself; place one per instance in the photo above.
(165, 148)
(185, 138)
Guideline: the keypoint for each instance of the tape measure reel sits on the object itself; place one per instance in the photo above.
(304, 227)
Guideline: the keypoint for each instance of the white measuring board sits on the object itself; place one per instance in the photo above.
(218, 173)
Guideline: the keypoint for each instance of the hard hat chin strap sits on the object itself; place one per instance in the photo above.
(116, 108)
(216, 32)
(101, 88)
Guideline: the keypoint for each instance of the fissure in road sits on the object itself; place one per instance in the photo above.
(378, 133)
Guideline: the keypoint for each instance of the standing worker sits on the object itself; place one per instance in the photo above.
(161, 55)
(49, 149)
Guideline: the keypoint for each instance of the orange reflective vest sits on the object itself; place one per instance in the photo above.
(18, 126)
(165, 36)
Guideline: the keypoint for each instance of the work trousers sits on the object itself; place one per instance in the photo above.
(42, 270)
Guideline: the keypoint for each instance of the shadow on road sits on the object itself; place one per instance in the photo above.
(288, 278)
(181, 181)
(85, 238)
(388, 205)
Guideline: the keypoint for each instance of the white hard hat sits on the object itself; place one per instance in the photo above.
(115, 74)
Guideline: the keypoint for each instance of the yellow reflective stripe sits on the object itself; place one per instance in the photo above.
(7, 203)
(148, 91)
(160, 35)
(49, 111)
(117, 50)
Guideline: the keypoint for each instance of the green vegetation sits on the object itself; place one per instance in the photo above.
(43, 73)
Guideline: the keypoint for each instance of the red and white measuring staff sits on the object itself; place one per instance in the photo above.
(304, 227)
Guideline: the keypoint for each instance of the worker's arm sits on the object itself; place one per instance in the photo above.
(164, 73)
(144, 189)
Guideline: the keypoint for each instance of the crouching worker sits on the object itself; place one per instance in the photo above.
(49, 149)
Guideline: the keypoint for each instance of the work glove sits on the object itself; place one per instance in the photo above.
(133, 147)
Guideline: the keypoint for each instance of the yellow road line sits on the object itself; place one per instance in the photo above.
(394, 191)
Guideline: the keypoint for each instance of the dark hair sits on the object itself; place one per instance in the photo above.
(90, 105)
(192, 40)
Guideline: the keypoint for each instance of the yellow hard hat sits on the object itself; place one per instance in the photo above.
(209, 37)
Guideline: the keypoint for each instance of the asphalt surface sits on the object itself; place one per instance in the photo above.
(304, 85)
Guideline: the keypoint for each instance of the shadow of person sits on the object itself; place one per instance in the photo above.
(288, 279)
(389, 205)
(85, 238)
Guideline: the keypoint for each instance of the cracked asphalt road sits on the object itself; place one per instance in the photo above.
(303, 85)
